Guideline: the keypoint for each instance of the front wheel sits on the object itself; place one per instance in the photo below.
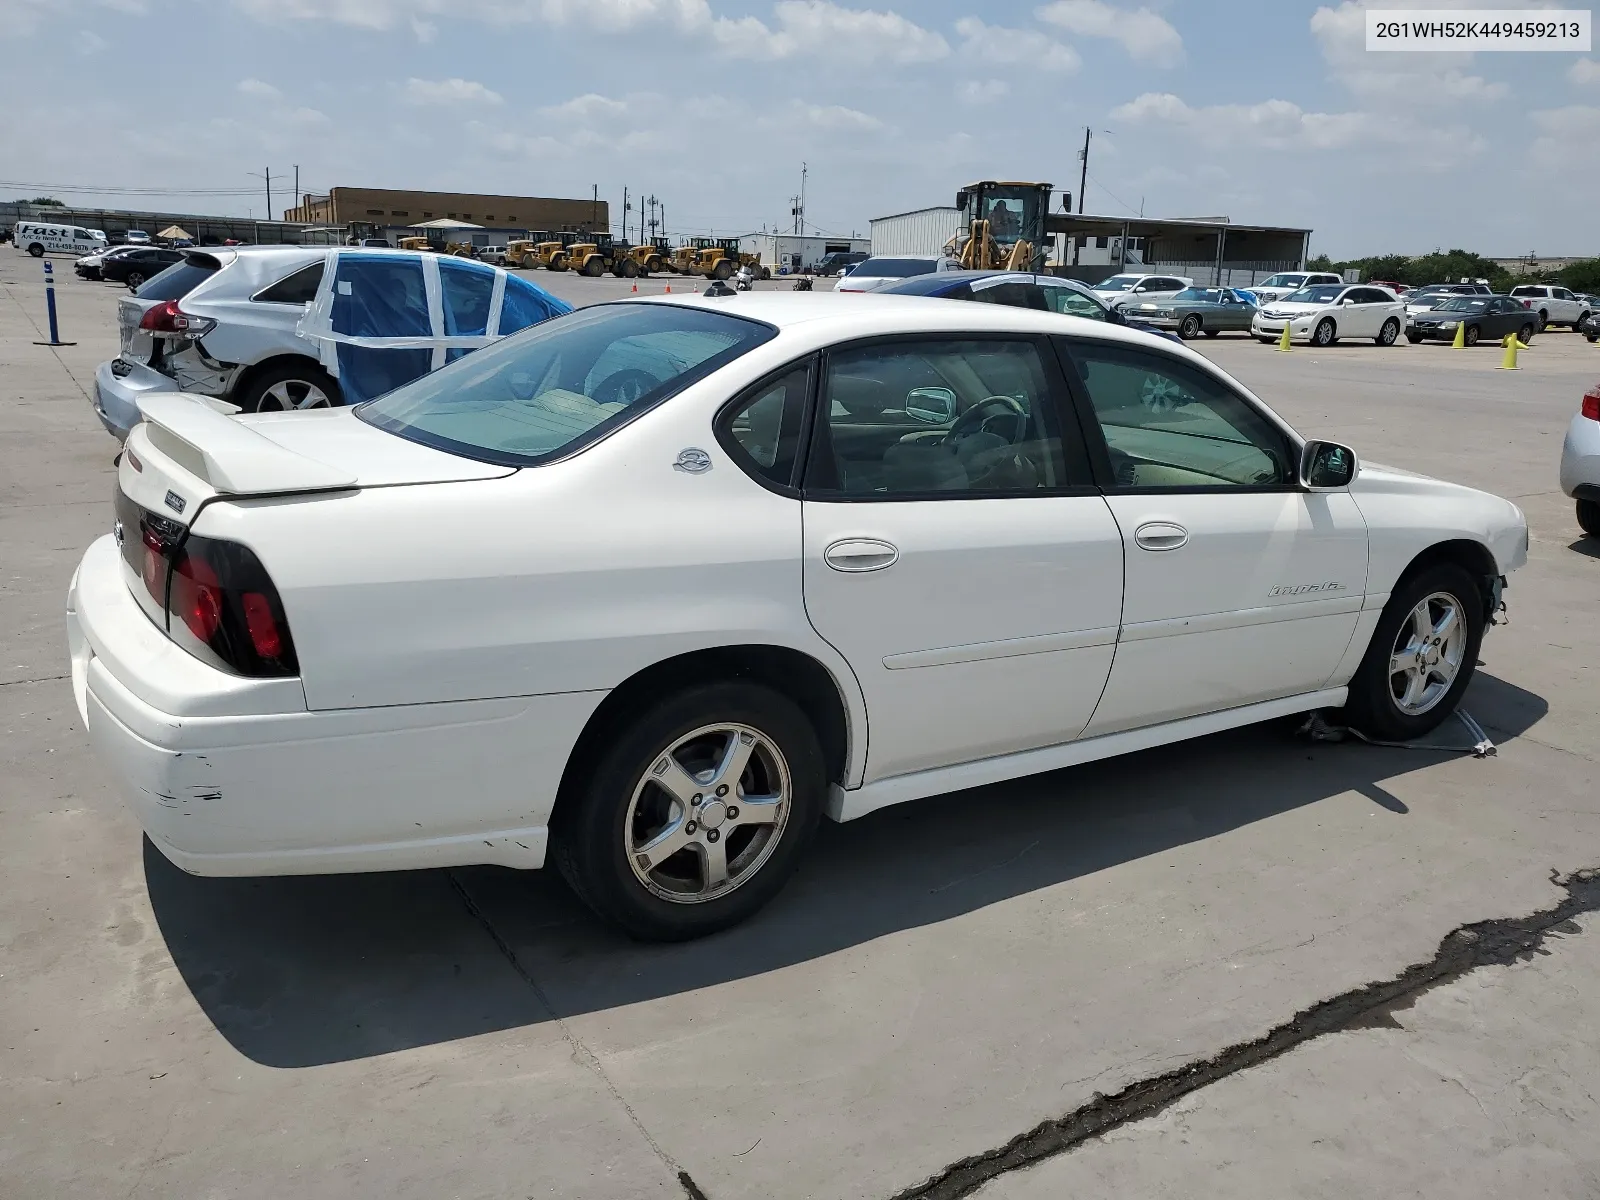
(1414, 338)
(1589, 517)
(1325, 334)
(1472, 335)
(594, 268)
(36, 249)
(1390, 331)
(723, 270)
(1421, 657)
(692, 815)
(1525, 334)
(1211, 332)
(1544, 320)
(134, 280)
(1190, 328)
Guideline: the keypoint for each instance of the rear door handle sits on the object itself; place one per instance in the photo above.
(855, 555)
(1160, 535)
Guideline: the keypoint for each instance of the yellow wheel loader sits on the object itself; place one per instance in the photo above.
(1005, 226)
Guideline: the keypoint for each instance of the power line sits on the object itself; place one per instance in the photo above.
(1114, 196)
(128, 191)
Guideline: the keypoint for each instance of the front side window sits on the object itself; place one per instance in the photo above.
(563, 383)
(937, 419)
(1169, 425)
(762, 430)
(1073, 303)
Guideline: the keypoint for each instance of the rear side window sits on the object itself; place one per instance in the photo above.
(380, 296)
(298, 288)
(176, 282)
(466, 293)
(1013, 295)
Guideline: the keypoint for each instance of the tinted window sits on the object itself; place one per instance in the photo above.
(564, 382)
(1527, 291)
(175, 282)
(299, 288)
(762, 431)
(525, 304)
(986, 424)
(1014, 295)
(895, 268)
(1168, 424)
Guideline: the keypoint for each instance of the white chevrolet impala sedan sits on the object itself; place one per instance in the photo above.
(651, 588)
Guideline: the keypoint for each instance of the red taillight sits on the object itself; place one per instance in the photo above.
(155, 566)
(1591, 403)
(222, 595)
(263, 626)
(197, 596)
(1527, 304)
(168, 318)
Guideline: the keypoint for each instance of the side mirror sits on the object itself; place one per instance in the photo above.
(1326, 466)
(931, 405)
(1115, 316)
(1347, 300)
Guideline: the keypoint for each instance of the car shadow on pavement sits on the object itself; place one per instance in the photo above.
(1588, 546)
(304, 971)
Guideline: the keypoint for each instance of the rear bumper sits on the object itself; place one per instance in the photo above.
(1580, 456)
(116, 397)
(233, 776)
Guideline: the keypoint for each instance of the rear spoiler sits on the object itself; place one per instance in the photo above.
(230, 457)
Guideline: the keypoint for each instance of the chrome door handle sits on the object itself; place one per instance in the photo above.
(854, 555)
(1161, 535)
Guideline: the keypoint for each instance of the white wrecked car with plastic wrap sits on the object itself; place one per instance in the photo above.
(650, 588)
(259, 327)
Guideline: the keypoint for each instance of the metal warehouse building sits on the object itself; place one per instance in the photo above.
(1209, 250)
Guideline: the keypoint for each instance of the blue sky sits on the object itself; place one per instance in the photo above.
(1268, 112)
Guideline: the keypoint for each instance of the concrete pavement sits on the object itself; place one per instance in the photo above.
(938, 980)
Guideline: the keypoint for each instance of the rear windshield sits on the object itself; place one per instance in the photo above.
(1282, 281)
(564, 383)
(1527, 291)
(895, 268)
(176, 282)
(1462, 304)
(1117, 283)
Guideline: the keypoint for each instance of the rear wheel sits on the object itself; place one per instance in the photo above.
(1414, 338)
(1421, 657)
(630, 269)
(1326, 334)
(1190, 328)
(1389, 332)
(691, 815)
(1589, 517)
(288, 388)
(1472, 335)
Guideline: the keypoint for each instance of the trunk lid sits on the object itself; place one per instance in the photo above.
(135, 344)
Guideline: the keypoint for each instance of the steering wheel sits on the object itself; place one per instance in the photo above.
(625, 386)
(976, 419)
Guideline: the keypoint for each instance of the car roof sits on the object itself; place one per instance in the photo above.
(842, 316)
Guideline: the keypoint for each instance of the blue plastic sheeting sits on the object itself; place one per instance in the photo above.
(382, 319)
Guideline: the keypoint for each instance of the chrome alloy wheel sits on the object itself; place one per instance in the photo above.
(289, 394)
(1428, 653)
(708, 813)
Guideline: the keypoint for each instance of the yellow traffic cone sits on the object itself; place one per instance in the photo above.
(1283, 342)
(1461, 338)
(1509, 362)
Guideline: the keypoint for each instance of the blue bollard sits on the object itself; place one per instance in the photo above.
(50, 307)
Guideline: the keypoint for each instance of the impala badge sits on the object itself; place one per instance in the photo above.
(1300, 589)
(693, 460)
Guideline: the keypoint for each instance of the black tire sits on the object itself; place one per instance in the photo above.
(1389, 332)
(1326, 333)
(1265, 341)
(766, 274)
(1189, 328)
(1591, 338)
(36, 249)
(1211, 332)
(1372, 706)
(1471, 336)
(257, 394)
(594, 268)
(723, 270)
(1577, 326)
(591, 835)
(1589, 517)
(1544, 320)
(1525, 334)
(135, 278)
(630, 269)
(1414, 338)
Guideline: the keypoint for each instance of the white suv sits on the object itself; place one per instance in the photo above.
(1276, 287)
(1122, 290)
(1555, 305)
(244, 302)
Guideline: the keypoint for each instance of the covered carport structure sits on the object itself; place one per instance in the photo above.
(1209, 250)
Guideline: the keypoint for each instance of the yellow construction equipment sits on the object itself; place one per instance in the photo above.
(719, 258)
(600, 254)
(524, 252)
(1005, 226)
(457, 249)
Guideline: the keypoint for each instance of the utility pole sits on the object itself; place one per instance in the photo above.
(802, 199)
(1083, 176)
(594, 209)
(297, 186)
(626, 208)
(269, 193)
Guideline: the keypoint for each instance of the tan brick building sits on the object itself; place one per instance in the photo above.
(392, 207)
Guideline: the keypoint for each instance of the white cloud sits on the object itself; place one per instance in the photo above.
(423, 31)
(1420, 78)
(1145, 35)
(836, 116)
(984, 91)
(258, 88)
(1584, 72)
(450, 91)
(821, 27)
(1281, 125)
(585, 108)
(1015, 47)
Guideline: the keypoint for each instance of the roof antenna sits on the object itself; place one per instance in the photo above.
(718, 288)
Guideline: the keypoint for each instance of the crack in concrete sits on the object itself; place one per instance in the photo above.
(1499, 941)
(580, 1051)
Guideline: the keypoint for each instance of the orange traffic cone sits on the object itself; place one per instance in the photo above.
(669, 289)
(636, 287)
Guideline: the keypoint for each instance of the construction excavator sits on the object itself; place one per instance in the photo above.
(1005, 226)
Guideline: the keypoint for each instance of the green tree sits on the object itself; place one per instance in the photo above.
(47, 202)
(1581, 276)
